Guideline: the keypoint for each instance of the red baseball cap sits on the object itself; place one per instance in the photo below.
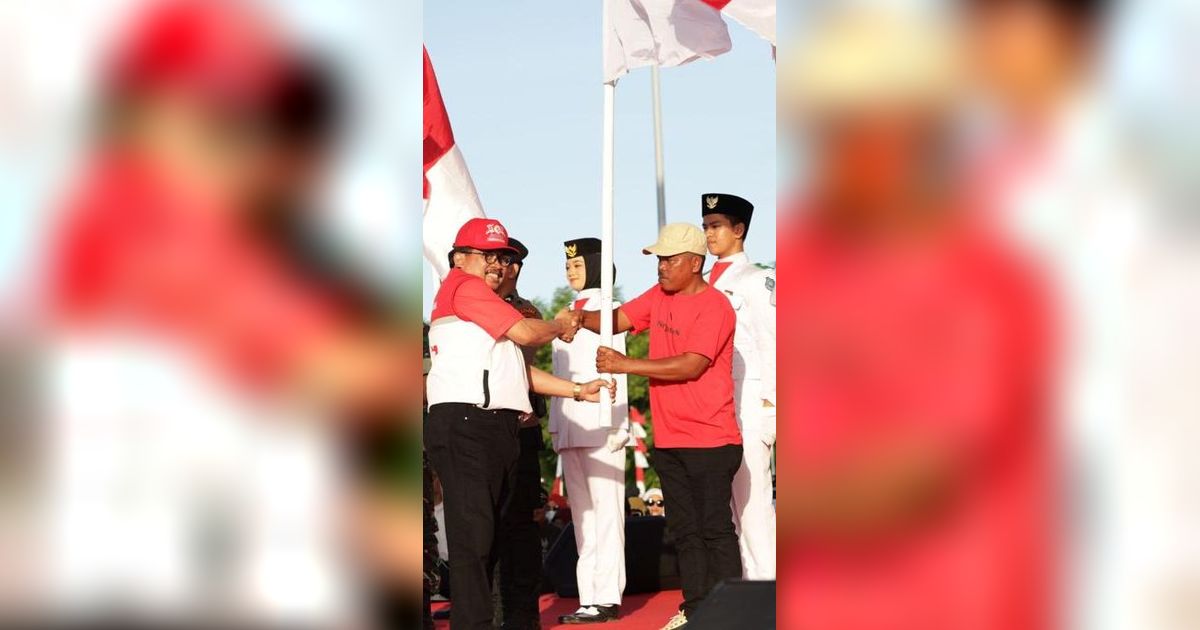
(484, 234)
(228, 51)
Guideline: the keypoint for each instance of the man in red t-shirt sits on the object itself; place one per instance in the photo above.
(920, 482)
(698, 447)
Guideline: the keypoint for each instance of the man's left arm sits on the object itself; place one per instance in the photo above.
(548, 384)
(711, 330)
(536, 401)
(681, 367)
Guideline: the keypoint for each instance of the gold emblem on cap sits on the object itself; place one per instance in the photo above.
(572, 249)
(711, 201)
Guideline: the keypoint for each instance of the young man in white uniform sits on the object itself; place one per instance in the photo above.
(593, 452)
(751, 291)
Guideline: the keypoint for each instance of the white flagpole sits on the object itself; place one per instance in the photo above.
(658, 147)
(606, 238)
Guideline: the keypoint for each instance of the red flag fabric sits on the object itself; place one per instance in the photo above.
(439, 137)
(450, 195)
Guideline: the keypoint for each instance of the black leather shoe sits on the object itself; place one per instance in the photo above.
(591, 614)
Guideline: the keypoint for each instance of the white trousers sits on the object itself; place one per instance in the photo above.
(753, 504)
(595, 480)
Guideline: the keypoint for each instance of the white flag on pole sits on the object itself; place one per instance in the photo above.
(664, 32)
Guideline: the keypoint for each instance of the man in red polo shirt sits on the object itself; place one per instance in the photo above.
(194, 367)
(478, 389)
(697, 444)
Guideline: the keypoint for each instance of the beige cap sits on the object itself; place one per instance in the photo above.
(677, 238)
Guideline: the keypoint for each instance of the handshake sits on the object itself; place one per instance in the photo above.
(608, 360)
(571, 321)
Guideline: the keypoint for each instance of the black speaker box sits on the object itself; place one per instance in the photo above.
(741, 604)
(651, 564)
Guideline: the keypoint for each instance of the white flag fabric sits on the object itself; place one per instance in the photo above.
(663, 32)
(756, 15)
(450, 195)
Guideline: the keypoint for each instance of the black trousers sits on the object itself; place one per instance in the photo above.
(474, 453)
(520, 546)
(697, 485)
(429, 543)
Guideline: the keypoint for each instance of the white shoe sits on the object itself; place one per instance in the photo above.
(676, 622)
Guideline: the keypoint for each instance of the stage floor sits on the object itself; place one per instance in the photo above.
(646, 611)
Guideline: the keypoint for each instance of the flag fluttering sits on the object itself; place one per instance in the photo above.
(657, 32)
(449, 192)
(756, 15)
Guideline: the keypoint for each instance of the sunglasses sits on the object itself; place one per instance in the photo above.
(491, 257)
(654, 503)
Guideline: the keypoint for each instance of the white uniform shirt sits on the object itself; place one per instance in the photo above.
(575, 424)
(751, 292)
(1082, 212)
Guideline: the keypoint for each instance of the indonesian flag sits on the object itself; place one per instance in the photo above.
(557, 486)
(640, 461)
(663, 32)
(756, 15)
(450, 196)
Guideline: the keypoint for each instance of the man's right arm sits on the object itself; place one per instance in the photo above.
(591, 320)
(537, 332)
(632, 315)
(475, 302)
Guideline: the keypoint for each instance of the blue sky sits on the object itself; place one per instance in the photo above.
(522, 84)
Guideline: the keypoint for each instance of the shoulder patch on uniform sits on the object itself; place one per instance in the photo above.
(770, 283)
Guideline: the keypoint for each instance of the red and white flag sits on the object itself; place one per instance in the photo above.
(450, 195)
(663, 32)
(641, 462)
(756, 15)
(557, 487)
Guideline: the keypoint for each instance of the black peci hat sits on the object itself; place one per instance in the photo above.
(732, 206)
(522, 251)
(581, 247)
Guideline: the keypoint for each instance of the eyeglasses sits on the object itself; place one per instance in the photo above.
(491, 257)
(654, 503)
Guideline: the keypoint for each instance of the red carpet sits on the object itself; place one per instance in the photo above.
(647, 611)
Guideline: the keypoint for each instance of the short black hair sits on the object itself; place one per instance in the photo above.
(745, 223)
